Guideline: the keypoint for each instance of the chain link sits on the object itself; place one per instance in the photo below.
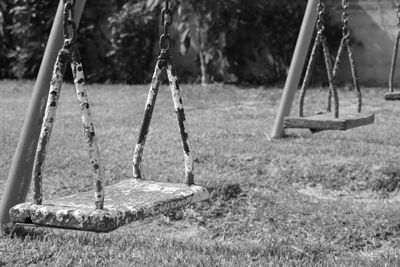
(321, 18)
(345, 18)
(69, 22)
(166, 19)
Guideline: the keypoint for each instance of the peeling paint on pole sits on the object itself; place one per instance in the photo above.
(164, 62)
(87, 121)
(68, 52)
(144, 129)
(180, 114)
(48, 121)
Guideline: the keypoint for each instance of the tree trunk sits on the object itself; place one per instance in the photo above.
(205, 80)
(205, 77)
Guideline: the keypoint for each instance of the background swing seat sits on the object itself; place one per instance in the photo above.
(326, 121)
(392, 96)
(125, 202)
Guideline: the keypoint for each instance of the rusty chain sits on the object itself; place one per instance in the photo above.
(345, 18)
(320, 19)
(320, 40)
(166, 19)
(69, 25)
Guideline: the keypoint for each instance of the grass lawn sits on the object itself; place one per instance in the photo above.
(325, 199)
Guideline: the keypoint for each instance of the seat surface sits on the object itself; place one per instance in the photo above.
(326, 121)
(392, 96)
(125, 202)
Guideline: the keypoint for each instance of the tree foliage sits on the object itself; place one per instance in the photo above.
(133, 37)
(234, 40)
(203, 25)
(30, 23)
(248, 41)
(5, 38)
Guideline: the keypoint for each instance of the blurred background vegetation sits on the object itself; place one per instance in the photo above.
(232, 41)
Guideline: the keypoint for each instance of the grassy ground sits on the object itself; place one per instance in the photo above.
(328, 199)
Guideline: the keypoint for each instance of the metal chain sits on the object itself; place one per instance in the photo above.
(345, 18)
(70, 28)
(166, 19)
(347, 43)
(320, 20)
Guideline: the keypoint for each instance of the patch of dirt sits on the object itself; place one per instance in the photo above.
(219, 205)
(368, 197)
(378, 253)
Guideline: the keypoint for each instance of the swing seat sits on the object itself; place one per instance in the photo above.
(392, 96)
(127, 201)
(326, 121)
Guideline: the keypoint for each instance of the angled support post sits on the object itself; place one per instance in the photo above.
(19, 177)
(296, 67)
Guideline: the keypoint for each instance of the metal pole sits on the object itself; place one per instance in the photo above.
(19, 177)
(296, 67)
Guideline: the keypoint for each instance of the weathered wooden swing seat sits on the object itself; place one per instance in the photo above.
(125, 202)
(326, 121)
(392, 96)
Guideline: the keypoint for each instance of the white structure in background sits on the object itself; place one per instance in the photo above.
(373, 26)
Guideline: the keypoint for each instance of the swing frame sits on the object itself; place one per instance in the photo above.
(324, 120)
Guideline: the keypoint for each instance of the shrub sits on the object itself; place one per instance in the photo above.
(93, 39)
(25, 30)
(31, 22)
(5, 40)
(134, 34)
(253, 40)
(261, 47)
(205, 25)
(247, 41)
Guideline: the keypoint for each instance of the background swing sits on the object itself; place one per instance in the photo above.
(126, 201)
(325, 120)
(392, 95)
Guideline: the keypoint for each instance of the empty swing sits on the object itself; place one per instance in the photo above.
(392, 95)
(126, 201)
(325, 120)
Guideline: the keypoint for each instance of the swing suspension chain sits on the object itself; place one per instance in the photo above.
(164, 62)
(345, 19)
(353, 67)
(70, 28)
(395, 50)
(320, 20)
(320, 39)
(166, 19)
(69, 53)
(345, 44)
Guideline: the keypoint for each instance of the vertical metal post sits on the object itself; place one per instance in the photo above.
(394, 61)
(19, 177)
(296, 67)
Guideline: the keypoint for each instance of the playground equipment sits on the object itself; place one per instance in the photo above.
(124, 202)
(19, 177)
(323, 120)
(392, 95)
